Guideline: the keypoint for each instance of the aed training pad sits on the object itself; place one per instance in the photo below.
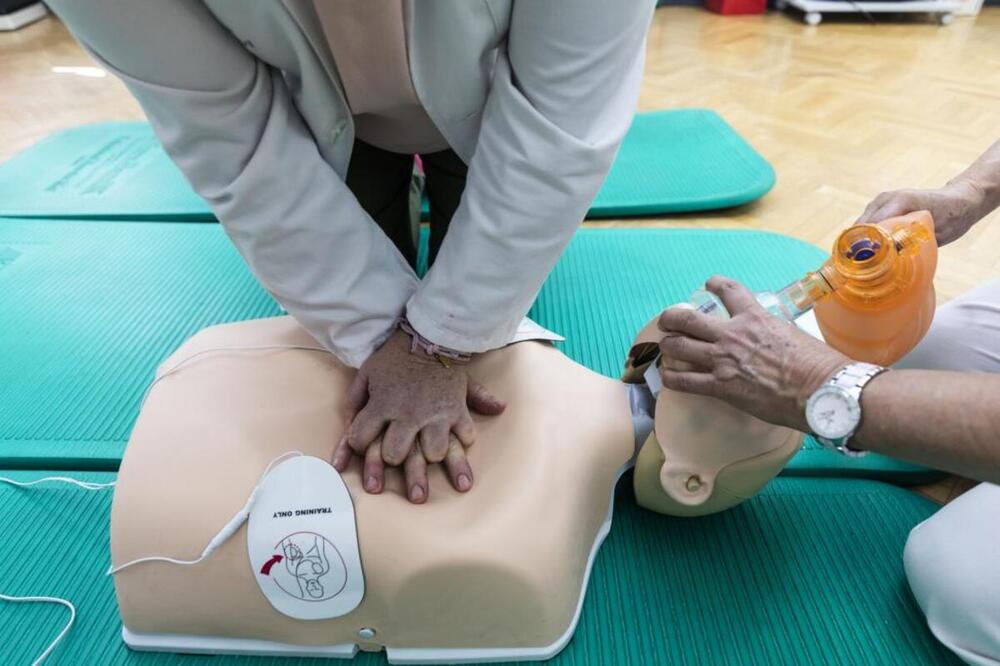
(680, 161)
(761, 584)
(89, 309)
(115, 170)
(610, 282)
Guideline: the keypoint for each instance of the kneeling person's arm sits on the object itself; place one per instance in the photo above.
(769, 368)
(945, 420)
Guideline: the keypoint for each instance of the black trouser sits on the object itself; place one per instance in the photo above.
(381, 182)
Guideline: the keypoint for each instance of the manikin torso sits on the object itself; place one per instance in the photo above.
(520, 539)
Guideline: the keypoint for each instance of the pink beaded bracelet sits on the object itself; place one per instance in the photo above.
(420, 343)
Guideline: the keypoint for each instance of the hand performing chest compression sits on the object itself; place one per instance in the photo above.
(408, 408)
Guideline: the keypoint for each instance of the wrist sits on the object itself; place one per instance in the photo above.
(815, 375)
(421, 345)
(979, 197)
(870, 398)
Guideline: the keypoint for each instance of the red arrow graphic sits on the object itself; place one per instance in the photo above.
(266, 569)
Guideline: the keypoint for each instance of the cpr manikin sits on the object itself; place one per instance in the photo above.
(494, 573)
(235, 434)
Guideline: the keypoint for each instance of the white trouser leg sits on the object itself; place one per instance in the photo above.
(953, 558)
(965, 334)
(952, 561)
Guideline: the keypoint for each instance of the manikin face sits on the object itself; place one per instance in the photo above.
(706, 455)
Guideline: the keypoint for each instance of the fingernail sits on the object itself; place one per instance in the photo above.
(464, 482)
(371, 484)
(416, 494)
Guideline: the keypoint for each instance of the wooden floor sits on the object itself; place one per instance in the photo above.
(843, 110)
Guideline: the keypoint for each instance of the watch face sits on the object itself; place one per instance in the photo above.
(832, 413)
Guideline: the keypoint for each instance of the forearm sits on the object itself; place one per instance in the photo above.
(945, 420)
(229, 122)
(983, 176)
(562, 97)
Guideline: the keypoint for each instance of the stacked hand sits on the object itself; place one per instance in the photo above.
(407, 408)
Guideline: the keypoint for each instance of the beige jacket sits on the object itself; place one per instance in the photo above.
(534, 95)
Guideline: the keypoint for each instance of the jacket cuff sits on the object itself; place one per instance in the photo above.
(468, 342)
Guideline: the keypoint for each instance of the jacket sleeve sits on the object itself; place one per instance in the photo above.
(562, 98)
(228, 121)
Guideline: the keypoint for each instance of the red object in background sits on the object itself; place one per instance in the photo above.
(732, 7)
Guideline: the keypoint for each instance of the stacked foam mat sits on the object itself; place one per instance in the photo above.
(670, 161)
(90, 306)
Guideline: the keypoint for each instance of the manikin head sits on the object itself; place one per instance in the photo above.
(703, 455)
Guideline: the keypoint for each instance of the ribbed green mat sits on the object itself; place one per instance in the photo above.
(680, 161)
(815, 461)
(104, 171)
(670, 161)
(765, 583)
(611, 282)
(88, 310)
(91, 308)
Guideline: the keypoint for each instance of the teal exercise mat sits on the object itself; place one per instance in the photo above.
(91, 308)
(680, 161)
(105, 171)
(675, 161)
(815, 461)
(87, 312)
(611, 282)
(762, 584)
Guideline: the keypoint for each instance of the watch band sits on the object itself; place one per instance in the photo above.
(852, 378)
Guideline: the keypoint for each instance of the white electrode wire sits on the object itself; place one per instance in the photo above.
(155, 558)
(227, 531)
(223, 535)
(86, 485)
(180, 365)
(183, 362)
(47, 600)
